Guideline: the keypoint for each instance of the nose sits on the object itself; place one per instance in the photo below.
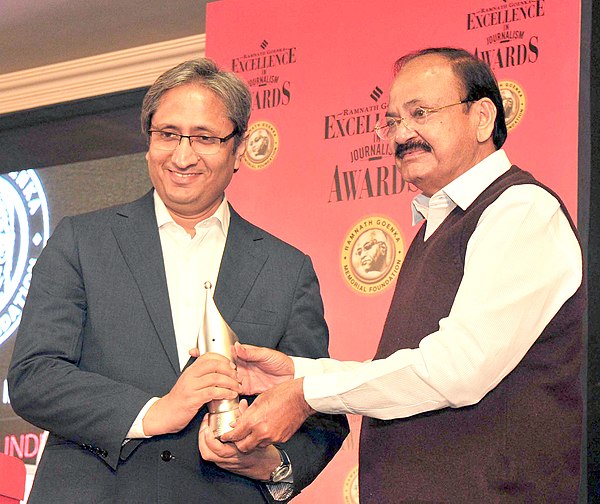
(403, 131)
(184, 156)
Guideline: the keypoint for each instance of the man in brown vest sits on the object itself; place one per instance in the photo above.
(473, 395)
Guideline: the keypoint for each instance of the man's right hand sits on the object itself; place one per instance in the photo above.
(210, 377)
(273, 417)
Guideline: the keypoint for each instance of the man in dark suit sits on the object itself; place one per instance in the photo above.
(116, 302)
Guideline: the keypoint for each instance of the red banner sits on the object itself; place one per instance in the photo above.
(316, 174)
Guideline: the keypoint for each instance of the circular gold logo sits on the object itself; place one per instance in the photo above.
(513, 100)
(263, 143)
(372, 254)
(351, 487)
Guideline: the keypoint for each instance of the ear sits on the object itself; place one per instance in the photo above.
(239, 153)
(486, 117)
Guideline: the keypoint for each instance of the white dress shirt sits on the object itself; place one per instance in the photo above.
(522, 263)
(189, 263)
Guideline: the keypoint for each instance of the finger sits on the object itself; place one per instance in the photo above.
(243, 406)
(240, 350)
(204, 424)
(205, 452)
(207, 448)
(197, 379)
(221, 450)
(193, 398)
(211, 442)
(249, 444)
(237, 346)
(239, 431)
(213, 363)
(210, 447)
(216, 393)
(215, 356)
(225, 451)
(210, 387)
(250, 353)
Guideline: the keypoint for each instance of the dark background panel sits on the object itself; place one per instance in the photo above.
(81, 130)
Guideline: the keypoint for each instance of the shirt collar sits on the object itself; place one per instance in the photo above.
(222, 214)
(464, 190)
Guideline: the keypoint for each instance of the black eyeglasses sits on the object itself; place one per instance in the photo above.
(201, 144)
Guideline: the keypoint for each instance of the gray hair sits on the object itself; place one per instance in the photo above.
(232, 90)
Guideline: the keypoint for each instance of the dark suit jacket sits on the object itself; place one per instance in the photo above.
(96, 342)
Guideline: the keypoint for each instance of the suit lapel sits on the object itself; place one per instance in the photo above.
(136, 232)
(243, 259)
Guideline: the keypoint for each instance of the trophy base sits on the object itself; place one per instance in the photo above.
(220, 422)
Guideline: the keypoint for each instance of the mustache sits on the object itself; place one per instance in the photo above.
(411, 145)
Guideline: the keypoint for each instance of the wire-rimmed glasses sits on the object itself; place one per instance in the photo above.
(387, 127)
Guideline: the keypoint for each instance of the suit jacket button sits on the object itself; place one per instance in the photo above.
(166, 456)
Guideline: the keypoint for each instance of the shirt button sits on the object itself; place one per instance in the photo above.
(166, 456)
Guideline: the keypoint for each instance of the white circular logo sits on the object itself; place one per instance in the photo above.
(24, 230)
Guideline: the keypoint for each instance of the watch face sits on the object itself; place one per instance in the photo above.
(282, 472)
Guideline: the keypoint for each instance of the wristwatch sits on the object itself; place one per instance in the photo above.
(283, 470)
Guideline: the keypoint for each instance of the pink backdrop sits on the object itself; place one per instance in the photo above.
(319, 72)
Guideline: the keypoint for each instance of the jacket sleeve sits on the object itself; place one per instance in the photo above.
(48, 387)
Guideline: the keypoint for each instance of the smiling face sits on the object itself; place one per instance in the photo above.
(433, 154)
(192, 185)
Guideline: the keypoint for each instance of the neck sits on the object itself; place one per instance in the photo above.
(188, 222)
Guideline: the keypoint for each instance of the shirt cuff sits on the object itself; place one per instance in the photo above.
(304, 366)
(137, 427)
(313, 395)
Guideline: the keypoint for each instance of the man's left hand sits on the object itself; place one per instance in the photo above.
(257, 464)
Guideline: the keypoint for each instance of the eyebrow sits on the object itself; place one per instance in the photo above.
(196, 130)
(414, 101)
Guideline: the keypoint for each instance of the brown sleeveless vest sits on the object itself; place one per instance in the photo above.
(522, 441)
